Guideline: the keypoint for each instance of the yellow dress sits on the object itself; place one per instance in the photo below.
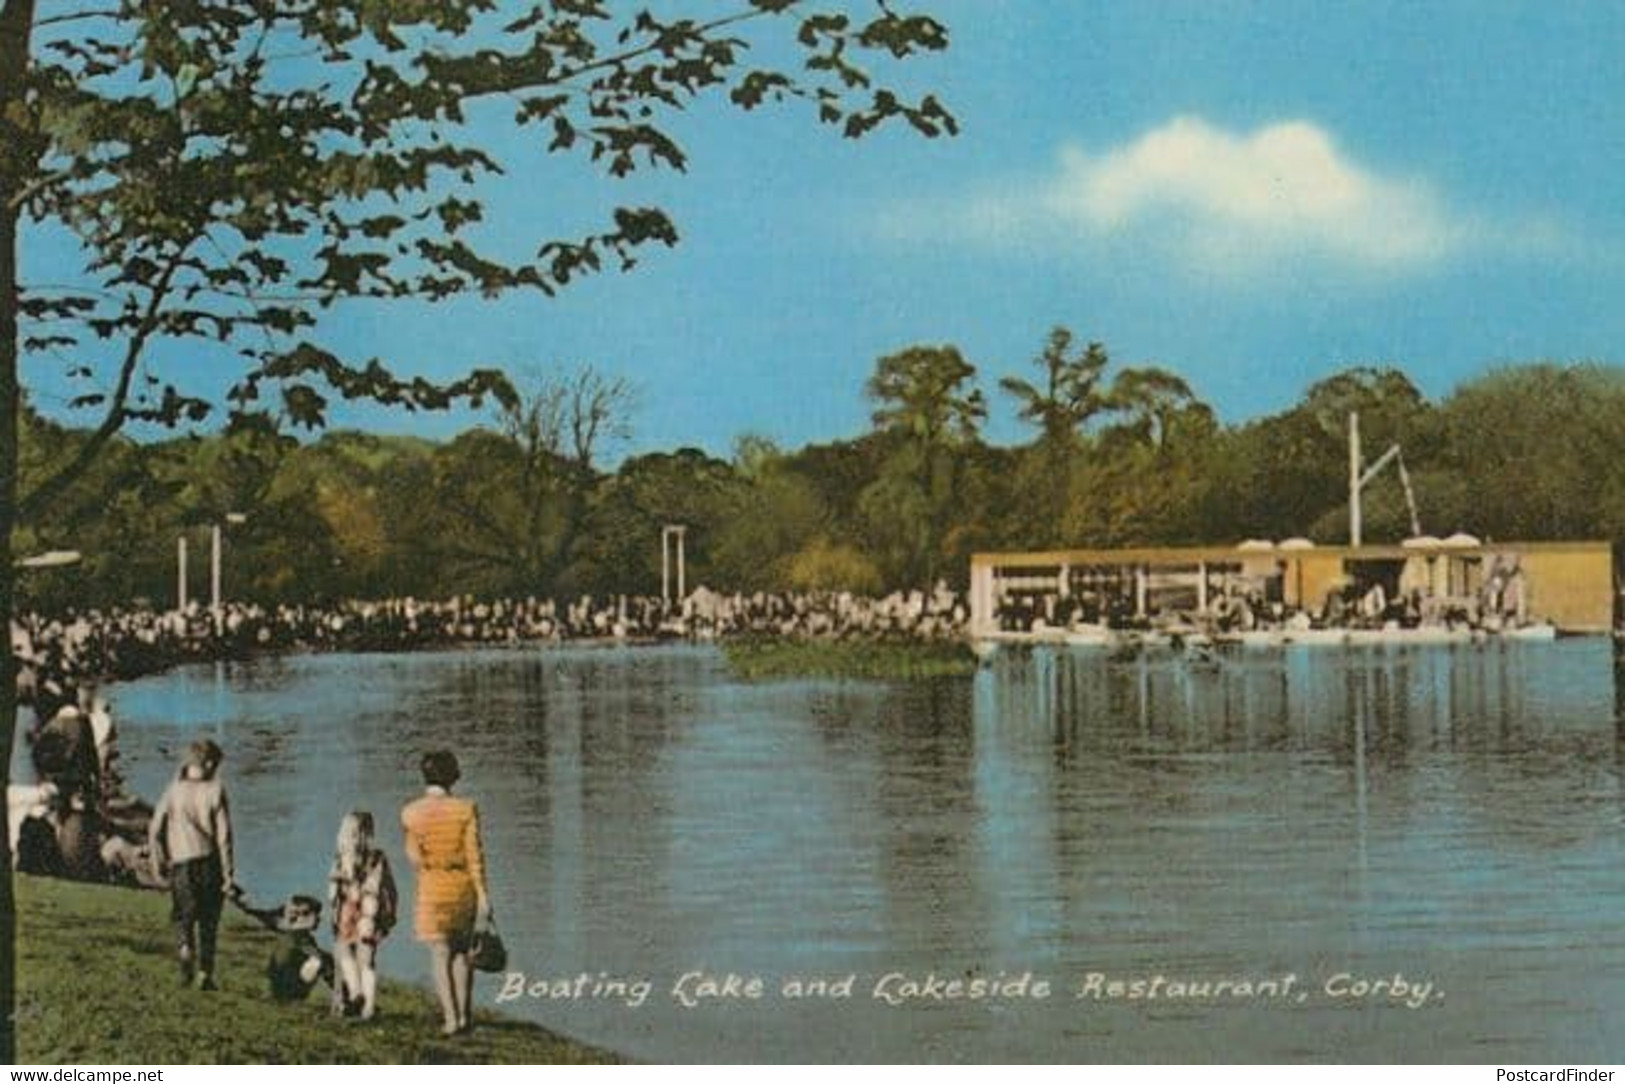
(443, 845)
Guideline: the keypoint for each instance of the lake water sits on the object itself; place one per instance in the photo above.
(1447, 816)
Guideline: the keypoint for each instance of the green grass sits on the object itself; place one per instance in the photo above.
(784, 658)
(97, 983)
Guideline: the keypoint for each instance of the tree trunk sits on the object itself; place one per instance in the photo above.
(9, 396)
(578, 483)
(16, 23)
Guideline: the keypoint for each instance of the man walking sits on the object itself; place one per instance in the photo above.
(191, 844)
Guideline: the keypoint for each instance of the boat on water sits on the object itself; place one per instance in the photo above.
(1090, 636)
(1538, 632)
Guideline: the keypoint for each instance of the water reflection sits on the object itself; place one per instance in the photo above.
(1448, 812)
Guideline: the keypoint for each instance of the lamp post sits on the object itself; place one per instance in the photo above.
(672, 536)
(234, 519)
(214, 576)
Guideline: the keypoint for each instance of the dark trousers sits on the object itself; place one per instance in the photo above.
(198, 893)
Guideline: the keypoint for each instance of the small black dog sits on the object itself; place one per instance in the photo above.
(297, 963)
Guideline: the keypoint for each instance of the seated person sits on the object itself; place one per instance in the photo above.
(1374, 604)
(129, 863)
(79, 841)
(32, 820)
(1334, 612)
(64, 750)
(297, 963)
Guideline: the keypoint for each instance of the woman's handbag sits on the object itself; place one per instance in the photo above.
(486, 951)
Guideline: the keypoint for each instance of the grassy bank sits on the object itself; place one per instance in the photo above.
(96, 982)
(788, 658)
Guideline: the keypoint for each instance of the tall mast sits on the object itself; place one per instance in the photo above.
(1354, 478)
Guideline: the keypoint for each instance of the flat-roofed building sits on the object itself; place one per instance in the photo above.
(1569, 585)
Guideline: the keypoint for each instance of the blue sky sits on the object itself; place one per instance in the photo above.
(1253, 194)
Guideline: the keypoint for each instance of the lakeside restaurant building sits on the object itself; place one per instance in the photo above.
(1567, 584)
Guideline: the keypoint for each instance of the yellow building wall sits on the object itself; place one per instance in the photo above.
(1571, 588)
(1309, 577)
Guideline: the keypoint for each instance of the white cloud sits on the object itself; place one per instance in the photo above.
(1229, 204)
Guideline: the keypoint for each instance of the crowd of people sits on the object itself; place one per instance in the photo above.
(76, 819)
(125, 643)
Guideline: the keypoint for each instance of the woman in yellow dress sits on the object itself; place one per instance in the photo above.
(443, 845)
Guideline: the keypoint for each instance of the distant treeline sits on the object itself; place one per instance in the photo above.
(1119, 456)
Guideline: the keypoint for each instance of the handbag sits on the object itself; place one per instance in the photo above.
(486, 950)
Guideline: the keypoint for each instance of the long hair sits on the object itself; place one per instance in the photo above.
(354, 843)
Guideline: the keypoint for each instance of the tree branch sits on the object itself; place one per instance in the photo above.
(40, 184)
(636, 51)
(568, 75)
(74, 16)
(114, 420)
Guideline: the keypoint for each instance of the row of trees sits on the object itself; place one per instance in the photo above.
(1118, 456)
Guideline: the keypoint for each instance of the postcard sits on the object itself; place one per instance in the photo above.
(775, 532)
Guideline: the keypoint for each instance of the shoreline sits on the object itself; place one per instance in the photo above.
(117, 646)
(96, 984)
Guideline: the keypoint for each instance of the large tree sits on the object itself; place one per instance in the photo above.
(1155, 401)
(777, 513)
(926, 399)
(1148, 479)
(1071, 394)
(231, 168)
(1537, 451)
(508, 505)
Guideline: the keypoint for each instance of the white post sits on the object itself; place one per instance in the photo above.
(180, 572)
(1201, 587)
(983, 600)
(1354, 479)
(990, 600)
(1140, 589)
(665, 564)
(214, 578)
(682, 562)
